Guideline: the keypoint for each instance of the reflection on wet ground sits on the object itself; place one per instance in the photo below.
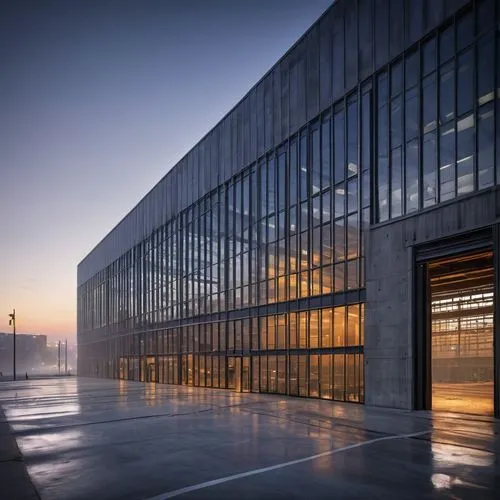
(466, 397)
(106, 439)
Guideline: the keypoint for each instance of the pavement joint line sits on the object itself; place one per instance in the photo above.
(125, 419)
(215, 482)
(322, 420)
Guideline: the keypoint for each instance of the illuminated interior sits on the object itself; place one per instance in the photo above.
(462, 293)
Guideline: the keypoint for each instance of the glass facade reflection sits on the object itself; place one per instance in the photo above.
(436, 108)
(254, 277)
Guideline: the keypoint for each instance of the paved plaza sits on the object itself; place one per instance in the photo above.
(108, 439)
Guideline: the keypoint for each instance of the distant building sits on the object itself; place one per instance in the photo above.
(30, 351)
(336, 235)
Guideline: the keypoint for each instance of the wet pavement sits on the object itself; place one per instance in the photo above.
(107, 439)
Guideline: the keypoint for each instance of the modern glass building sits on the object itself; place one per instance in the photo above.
(335, 236)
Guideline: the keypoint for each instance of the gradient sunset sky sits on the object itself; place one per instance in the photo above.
(99, 99)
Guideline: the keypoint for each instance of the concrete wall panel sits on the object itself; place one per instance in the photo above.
(389, 330)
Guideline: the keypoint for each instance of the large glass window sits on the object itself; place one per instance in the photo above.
(412, 181)
(352, 137)
(383, 149)
(338, 128)
(315, 161)
(447, 93)
(447, 162)
(465, 154)
(465, 82)
(485, 146)
(429, 167)
(396, 183)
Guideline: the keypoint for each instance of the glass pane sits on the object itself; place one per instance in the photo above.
(412, 114)
(396, 122)
(465, 30)
(326, 380)
(314, 329)
(340, 278)
(396, 183)
(326, 327)
(315, 162)
(383, 164)
(396, 78)
(429, 56)
(338, 377)
(447, 44)
(465, 154)
(325, 153)
(339, 240)
(352, 275)
(485, 146)
(429, 166)
(292, 330)
(411, 69)
(303, 376)
(352, 236)
(447, 162)
(316, 210)
(447, 93)
(303, 170)
(326, 206)
(352, 195)
(314, 375)
(429, 105)
(326, 244)
(352, 139)
(339, 146)
(465, 82)
(293, 173)
(340, 200)
(339, 326)
(382, 89)
(485, 71)
(303, 330)
(412, 163)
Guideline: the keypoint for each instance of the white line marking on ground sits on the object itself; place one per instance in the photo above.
(214, 482)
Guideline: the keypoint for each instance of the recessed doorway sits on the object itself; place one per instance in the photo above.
(461, 291)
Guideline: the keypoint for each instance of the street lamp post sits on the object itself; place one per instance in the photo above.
(59, 357)
(12, 322)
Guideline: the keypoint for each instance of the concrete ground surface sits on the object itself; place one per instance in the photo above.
(108, 439)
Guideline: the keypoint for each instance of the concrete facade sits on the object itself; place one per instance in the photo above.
(390, 323)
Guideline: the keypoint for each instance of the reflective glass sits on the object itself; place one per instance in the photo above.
(429, 56)
(447, 162)
(396, 183)
(339, 146)
(465, 154)
(465, 82)
(352, 139)
(447, 44)
(485, 146)
(429, 167)
(485, 70)
(429, 104)
(412, 169)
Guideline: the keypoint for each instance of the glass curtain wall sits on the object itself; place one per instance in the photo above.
(287, 230)
(436, 112)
